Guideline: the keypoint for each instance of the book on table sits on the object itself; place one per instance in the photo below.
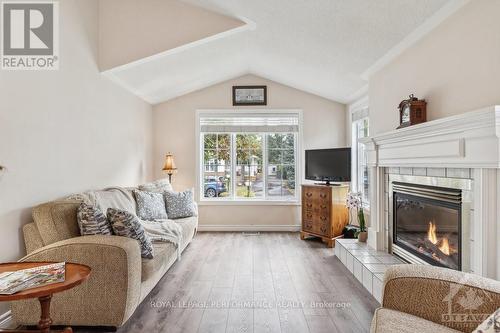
(13, 282)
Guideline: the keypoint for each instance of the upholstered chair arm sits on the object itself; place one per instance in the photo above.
(437, 294)
(107, 298)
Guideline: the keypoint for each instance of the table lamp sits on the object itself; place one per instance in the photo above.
(169, 167)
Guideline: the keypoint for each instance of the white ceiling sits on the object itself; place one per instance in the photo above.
(319, 46)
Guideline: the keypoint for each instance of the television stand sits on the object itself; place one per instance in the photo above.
(324, 212)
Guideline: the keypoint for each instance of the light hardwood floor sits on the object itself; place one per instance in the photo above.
(220, 274)
(274, 282)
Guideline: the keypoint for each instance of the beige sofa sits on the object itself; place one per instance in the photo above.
(428, 299)
(120, 278)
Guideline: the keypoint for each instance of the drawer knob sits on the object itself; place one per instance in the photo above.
(308, 194)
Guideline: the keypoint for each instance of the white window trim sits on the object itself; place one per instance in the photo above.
(360, 105)
(241, 201)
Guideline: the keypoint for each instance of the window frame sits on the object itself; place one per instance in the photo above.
(357, 183)
(265, 199)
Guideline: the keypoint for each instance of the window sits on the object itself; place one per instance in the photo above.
(281, 165)
(217, 164)
(360, 129)
(249, 162)
(248, 156)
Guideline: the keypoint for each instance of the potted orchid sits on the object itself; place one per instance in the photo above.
(355, 202)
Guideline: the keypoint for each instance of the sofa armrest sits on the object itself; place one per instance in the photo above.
(440, 295)
(196, 208)
(107, 298)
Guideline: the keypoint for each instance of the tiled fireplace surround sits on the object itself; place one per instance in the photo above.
(461, 152)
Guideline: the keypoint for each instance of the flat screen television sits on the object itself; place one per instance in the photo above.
(329, 165)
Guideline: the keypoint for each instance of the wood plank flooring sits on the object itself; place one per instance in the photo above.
(274, 282)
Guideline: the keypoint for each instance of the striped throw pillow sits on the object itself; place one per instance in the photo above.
(92, 221)
(128, 225)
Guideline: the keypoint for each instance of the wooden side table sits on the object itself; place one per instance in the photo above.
(75, 275)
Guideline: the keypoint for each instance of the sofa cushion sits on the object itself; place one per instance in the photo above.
(391, 321)
(56, 220)
(115, 197)
(32, 238)
(150, 206)
(92, 221)
(180, 204)
(188, 225)
(164, 253)
(128, 225)
(158, 186)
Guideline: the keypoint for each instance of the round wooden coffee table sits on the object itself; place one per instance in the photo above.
(75, 275)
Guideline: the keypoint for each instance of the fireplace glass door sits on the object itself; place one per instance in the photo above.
(427, 223)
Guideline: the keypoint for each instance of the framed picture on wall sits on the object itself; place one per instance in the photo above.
(249, 95)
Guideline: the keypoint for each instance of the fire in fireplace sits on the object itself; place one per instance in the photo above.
(427, 224)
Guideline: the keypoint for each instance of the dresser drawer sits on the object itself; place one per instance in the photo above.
(323, 212)
(308, 225)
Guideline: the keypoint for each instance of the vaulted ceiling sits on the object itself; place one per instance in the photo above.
(325, 47)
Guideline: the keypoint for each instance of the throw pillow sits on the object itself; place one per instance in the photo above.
(128, 225)
(180, 204)
(490, 325)
(92, 221)
(150, 206)
(158, 186)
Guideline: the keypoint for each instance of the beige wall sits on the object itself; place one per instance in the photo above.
(174, 128)
(68, 130)
(133, 29)
(456, 68)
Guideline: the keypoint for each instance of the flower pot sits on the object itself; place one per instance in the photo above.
(362, 236)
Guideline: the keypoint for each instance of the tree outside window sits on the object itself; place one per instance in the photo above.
(264, 166)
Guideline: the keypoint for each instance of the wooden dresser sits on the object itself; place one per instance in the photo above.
(324, 212)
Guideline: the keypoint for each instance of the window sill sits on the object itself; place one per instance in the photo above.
(247, 203)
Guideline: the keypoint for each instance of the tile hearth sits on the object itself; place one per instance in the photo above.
(365, 263)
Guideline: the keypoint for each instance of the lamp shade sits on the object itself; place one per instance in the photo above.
(169, 167)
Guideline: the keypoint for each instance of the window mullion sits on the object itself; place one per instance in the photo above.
(264, 165)
(233, 166)
(296, 153)
(201, 172)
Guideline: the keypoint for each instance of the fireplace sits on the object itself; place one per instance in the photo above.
(427, 224)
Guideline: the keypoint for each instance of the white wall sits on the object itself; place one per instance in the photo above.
(174, 128)
(455, 68)
(67, 131)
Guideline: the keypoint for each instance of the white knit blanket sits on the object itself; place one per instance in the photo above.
(164, 231)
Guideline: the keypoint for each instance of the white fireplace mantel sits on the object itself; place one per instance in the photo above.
(468, 140)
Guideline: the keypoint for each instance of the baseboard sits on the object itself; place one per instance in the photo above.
(5, 319)
(248, 227)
